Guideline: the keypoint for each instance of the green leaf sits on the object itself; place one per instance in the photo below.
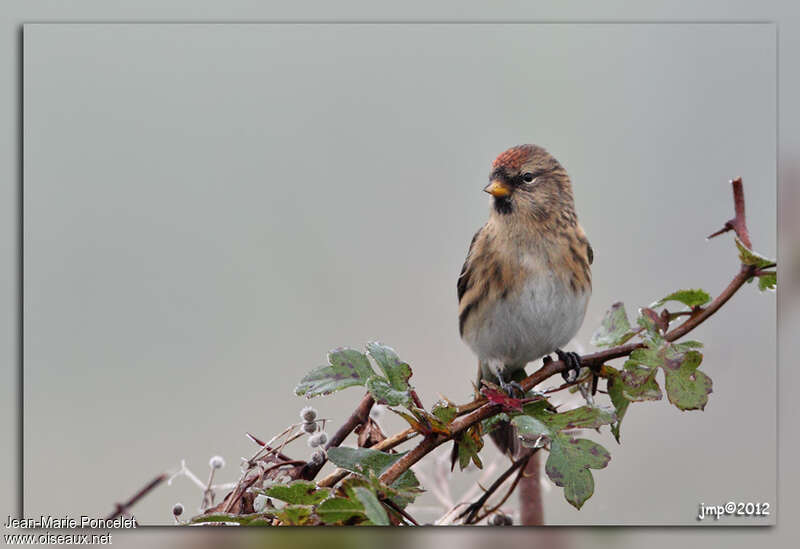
(638, 383)
(384, 393)
(615, 329)
(568, 466)
(295, 515)
(749, 257)
(687, 387)
(585, 417)
(346, 367)
(634, 383)
(394, 389)
(372, 507)
(690, 298)
(244, 520)
(300, 492)
(445, 411)
(767, 281)
(545, 423)
(619, 401)
(366, 460)
(531, 431)
(337, 510)
(468, 446)
(652, 324)
(395, 370)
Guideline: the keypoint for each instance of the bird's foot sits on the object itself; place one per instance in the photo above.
(512, 388)
(573, 362)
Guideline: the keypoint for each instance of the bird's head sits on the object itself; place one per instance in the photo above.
(527, 178)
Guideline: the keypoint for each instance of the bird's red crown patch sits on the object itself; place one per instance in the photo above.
(513, 158)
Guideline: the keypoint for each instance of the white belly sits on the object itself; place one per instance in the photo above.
(544, 317)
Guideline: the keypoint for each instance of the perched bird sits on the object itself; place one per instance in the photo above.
(526, 282)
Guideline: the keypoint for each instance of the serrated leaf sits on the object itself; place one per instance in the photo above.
(468, 445)
(366, 460)
(345, 368)
(687, 387)
(295, 515)
(384, 393)
(568, 466)
(634, 383)
(372, 507)
(690, 298)
(749, 257)
(543, 424)
(337, 510)
(767, 281)
(638, 383)
(619, 401)
(396, 371)
(614, 329)
(584, 417)
(496, 396)
(300, 492)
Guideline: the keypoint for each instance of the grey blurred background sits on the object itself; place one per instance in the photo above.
(210, 208)
(784, 13)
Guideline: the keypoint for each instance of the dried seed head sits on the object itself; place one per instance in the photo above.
(317, 458)
(177, 509)
(216, 462)
(318, 439)
(308, 414)
(501, 519)
(310, 427)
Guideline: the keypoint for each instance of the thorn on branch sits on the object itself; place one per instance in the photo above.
(738, 223)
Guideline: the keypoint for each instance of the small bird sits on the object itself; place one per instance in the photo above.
(526, 281)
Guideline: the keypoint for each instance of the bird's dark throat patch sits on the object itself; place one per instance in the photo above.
(503, 205)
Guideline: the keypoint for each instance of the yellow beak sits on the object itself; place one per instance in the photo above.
(497, 189)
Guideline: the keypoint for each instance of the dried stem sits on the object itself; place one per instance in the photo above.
(122, 508)
(470, 514)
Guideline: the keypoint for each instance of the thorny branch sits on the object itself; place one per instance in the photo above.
(481, 409)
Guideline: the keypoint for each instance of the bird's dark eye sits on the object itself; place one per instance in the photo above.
(527, 177)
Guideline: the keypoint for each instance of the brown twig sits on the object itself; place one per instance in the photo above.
(358, 417)
(592, 360)
(264, 446)
(122, 508)
(400, 511)
(471, 512)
